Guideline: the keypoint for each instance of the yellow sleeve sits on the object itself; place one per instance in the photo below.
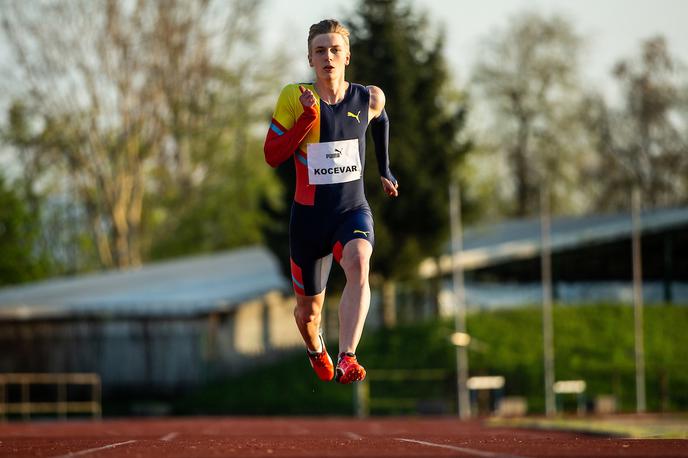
(285, 114)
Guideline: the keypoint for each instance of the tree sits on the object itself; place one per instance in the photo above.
(644, 142)
(528, 75)
(20, 260)
(56, 225)
(392, 47)
(139, 104)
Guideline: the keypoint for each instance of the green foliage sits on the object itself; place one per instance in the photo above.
(61, 244)
(222, 212)
(593, 342)
(152, 153)
(392, 47)
(288, 387)
(218, 205)
(18, 239)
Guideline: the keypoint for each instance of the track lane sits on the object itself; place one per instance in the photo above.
(311, 437)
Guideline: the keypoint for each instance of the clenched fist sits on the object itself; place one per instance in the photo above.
(307, 98)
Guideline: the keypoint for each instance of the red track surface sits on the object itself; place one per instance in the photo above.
(310, 437)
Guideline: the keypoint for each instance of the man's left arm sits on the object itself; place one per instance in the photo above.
(379, 128)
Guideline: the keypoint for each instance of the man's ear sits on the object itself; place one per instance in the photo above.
(310, 60)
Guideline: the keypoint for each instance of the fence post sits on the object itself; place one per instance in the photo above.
(97, 402)
(25, 399)
(362, 399)
(3, 399)
(62, 399)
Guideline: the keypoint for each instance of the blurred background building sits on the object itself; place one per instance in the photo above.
(591, 261)
(163, 327)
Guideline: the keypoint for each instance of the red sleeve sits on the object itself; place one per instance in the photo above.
(281, 143)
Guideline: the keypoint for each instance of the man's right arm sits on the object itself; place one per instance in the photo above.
(281, 142)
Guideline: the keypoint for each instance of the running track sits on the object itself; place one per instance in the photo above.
(310, 437)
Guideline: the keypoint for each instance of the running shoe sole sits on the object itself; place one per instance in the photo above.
(353, 374)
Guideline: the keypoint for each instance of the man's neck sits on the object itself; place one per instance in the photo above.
(331, 91)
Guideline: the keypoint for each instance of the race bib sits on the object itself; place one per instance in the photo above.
(333, 162)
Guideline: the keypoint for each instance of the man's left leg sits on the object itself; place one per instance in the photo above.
(355, 302)
(353, 308)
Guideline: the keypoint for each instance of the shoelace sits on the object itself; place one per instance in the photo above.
(347, 361)
(320, 358)
(346, 356)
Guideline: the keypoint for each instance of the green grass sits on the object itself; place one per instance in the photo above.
(593, 342)
(637, 427)
(288, 387)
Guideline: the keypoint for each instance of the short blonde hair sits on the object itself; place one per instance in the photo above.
(327, 26)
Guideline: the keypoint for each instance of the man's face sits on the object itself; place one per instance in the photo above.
(329, 55)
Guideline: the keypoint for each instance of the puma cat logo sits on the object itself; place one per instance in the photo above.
(351, 115)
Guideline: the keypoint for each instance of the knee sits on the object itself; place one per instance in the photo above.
(356, 264)
(305, 315)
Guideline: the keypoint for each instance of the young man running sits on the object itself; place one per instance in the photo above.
(322, 125)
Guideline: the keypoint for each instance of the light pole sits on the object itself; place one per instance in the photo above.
(638, 305)
(460, 338)
(547, 326)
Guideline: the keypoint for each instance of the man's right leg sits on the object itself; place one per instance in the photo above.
(309, 277)
(310, 266)
(308, 314)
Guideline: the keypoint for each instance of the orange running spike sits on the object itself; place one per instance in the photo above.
(348, 369)
(322, 363)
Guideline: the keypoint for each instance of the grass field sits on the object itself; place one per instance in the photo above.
(592, 342)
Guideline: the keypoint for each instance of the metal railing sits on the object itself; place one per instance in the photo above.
(61, 406)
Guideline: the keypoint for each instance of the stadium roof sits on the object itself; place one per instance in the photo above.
(188, 286)
(520, 239)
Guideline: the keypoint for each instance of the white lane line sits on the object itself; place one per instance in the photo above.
(468, 451)
(92, 450)
(169, 437)
(353, 436)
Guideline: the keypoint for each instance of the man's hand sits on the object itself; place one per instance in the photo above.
(391, 189)
(307, 98)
